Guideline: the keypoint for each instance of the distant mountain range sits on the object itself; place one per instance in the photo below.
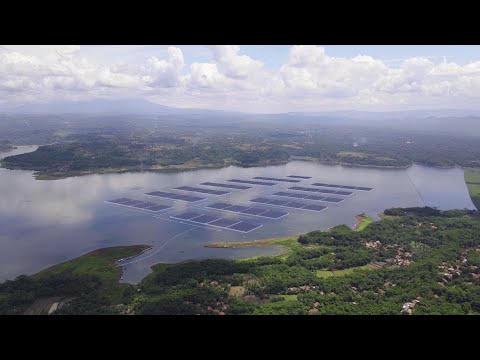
(145, 107)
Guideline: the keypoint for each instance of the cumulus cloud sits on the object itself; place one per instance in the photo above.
(310, 79)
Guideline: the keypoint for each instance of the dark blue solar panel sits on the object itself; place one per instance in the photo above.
(314, 207)
(363, 188)
(331, 199)
(299, 177)
(326, 191)
(229, 186)
(218, 206)
(276, 179)
(244, 226)
(131, 202)
(159, 207)
(282, 193)
(252, 182)
(278, 202)
(204, 219)
(348, 187)
(261, 200)
(343, 192)
(187, 215)
(204, 191)
(320, 184)
(274, 214)
(224, 222)
(143, 205)
(254, 211)
(119, 201)
(315, 197)
(296, 205)
(237, 208)
(298, 196)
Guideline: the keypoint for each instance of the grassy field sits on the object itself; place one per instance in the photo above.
(363, 221)
(472, 178)
(100, 263)
(328, 273)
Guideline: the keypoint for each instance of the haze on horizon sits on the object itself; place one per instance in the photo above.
(263, 79)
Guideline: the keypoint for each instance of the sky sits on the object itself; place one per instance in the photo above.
(248, 78)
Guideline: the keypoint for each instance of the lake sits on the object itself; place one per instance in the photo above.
(46, 222)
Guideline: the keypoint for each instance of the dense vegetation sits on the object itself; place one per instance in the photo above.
(89, 284)
(80, 145)
(413, 261)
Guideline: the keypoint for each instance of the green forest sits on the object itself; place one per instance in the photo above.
(413, 261)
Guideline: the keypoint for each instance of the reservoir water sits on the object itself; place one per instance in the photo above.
(45, 222)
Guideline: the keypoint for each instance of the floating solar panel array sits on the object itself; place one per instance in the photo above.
(322, 191)
(136, 204)
(217, 221)
(289, 204)
(349, 187)
(299, 177)
(252, 182)
(203, 191)
(228, 186)
(308, 197)
(276, 179)
(248, 210)
(173, 196)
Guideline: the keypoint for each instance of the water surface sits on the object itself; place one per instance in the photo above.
(46, 222)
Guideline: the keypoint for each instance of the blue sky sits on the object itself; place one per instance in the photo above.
(253, 78)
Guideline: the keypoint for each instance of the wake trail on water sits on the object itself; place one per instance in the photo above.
(160, 249)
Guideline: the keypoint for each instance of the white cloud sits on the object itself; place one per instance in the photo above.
(232, 63)
(309, 80)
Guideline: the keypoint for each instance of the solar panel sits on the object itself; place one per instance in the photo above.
(218, 206)
(205, 219)
(314, 207)
(276, 179)
(281, 193)
(204, 191)
(343, 192)
(315, 197)
(299, 177)
(274, 214)
(237, 208)
(326, 191)
(261, 200)
(131, 202)
(300, 188)
(288, 194)
(278, 202)
(244, 227)
(331, 199)
(224, 222)
(348, 187)
(144, 205)
(320, 184)
(172, 196)
(295, 204)
(119, 201)
(363, 188)
(159, 208)
(252, 182)
(254, 211)
(229, 186)
(187, 215)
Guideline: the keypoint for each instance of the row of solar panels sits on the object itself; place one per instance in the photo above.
(248, 210)
(308, 197)
(288, 204)
(217, 221)
(143, 205)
